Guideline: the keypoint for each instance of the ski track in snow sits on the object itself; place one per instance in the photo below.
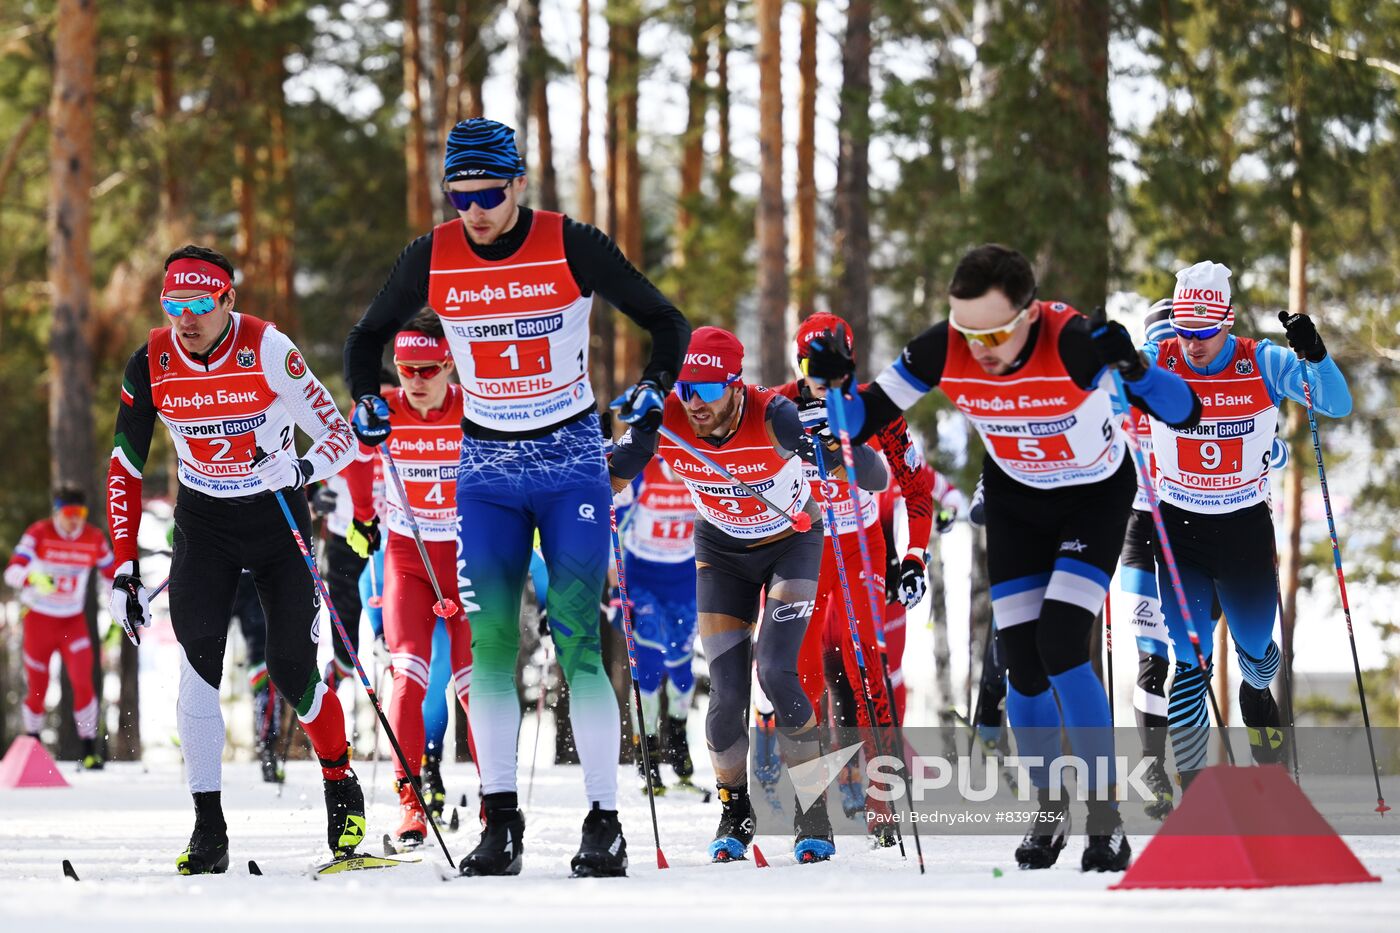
(122, 829)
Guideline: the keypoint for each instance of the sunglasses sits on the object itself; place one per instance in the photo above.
(71, 512)
(707, 392)
(489, 199)
(199, 304)
(1203, 333)
(422, 372)
(995, 336)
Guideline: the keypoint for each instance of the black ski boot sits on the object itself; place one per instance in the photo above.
(272, 772)
(812, 839)
(1261, 716)
(266, 720)
(678, 749)
(345, 813)
(207, 853)
(1107, 848)
(1163, 793)
(92, 758)
(654, 756)
(602, 853)
(736, 825)
(1050, 827)
(502, 844)
(434, 793)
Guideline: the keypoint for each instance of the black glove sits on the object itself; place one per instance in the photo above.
(363, 537)
(944, 520)
(1302, 337)
(829, 359)
(913, 581)
(891, 578)
(1115, 348)
(323, 501)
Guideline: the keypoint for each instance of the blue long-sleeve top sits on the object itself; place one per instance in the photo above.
(1282, 373)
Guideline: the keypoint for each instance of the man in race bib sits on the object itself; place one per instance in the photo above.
(744, 550)
(1030, 375)
(227, 385)
(514, 289)
(49, 570)
(1213, 481)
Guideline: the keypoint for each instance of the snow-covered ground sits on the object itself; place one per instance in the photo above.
(123, 828)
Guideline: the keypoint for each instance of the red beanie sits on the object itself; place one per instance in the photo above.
(714, 355)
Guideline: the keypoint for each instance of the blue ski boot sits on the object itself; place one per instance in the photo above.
(736, 825)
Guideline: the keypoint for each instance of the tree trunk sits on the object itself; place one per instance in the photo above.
(724, 158)
(625, 185)
(471, 97)
(524, 75)
(442, 79)
(1076, 267)
(420, 200)
(539, 112)
(281, 271)
(805, 229)
(693, 140)
(587, 194)
(851, 242)
(71, 428)
(770, 224)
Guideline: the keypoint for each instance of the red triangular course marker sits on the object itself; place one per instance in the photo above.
(1244, 828)
(28, 764)
(758, 860)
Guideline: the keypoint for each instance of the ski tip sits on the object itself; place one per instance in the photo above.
(389, 848)
(705, 797)
(758, 860)
(253, 868)
(661, 862)
(463, 804)
(454, 823)
(68, 871)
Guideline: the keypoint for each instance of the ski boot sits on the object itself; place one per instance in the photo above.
(602, 853)
(345, 812)
(92, 758)
(502, 844)
(812, 841)
(434, 793)
(207, 853)
(413, 827)
(653, 754)
(1261, 717)
(1163, 793)
(677, 749)
(1107, 848)
(272, 772)
(736, 825)
(267, 714)
(1046, 837)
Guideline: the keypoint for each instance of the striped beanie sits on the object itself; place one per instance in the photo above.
(1157, 325)
(1202, 297)
(481, 148)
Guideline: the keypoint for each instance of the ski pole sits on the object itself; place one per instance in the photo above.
(838, 413)
(444, 608)
(636, 681)
(158, 590)
(1108, 646)
(829, 512)
(545, 644)
(359, 668)
(376, 598)
(1120, 400)
(800, 521)
(374, 748)
(1342, 584)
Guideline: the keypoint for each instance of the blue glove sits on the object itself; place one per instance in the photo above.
(852, 407)
(642, 405)
(371, 420)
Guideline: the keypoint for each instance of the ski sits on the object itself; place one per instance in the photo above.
(68, 871)
(253, 868)
(392, 848)
(704, 792)
(358, 861)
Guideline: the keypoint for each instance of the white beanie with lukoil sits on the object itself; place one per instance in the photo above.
(1202, 297)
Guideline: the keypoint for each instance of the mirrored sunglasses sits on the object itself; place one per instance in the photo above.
(1200, 333)
(708, 392)
(427, 371)
(199, 304)
(487, 199)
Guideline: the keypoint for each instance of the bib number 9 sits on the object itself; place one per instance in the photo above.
(1210, 456)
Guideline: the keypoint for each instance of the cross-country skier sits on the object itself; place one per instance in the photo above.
(829, 633)
(514, 288)
(657, 524)
(1213, 481)
(426, 416)
(226, 385)
(1030, 376)
(49, 570)
(743, 551)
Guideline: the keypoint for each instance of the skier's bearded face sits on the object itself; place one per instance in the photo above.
(993, 312)
(714, 419)
(485, 226)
